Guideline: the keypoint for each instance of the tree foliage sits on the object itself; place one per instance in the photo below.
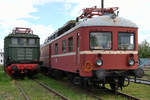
(144, 50)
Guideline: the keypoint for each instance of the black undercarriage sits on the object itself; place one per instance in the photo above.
(116, 79)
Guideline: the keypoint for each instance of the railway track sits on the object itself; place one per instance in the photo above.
(129, 97)
(146, 82)
(26, 97)
(51, 90)
(93, 93)
(90, 92)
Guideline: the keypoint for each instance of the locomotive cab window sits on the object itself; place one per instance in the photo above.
(31, 41)
(14, 41)
(125, 41)
(22, 41)
(70, 44)
(100, 40)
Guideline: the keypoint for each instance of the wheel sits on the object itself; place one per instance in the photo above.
(113, 86)
(76, 80)
(57, 74)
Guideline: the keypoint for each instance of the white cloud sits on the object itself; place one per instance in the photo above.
(41, 2)
(42, 31)
(145, 36)
(14, 9)
(12, 12)
(134, 10)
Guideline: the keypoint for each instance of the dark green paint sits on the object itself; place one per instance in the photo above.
(17, 53)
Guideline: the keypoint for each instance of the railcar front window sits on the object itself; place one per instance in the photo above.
(125, 41)
(100, 40)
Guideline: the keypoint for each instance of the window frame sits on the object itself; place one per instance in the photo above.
(133, 41)
(25, 41)
(70, 46)
(63, 46)
(56, 49)
(101, 49)
(30, 39)
(13, 42)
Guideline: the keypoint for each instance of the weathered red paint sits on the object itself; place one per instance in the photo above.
(76, 62)
(21, 68)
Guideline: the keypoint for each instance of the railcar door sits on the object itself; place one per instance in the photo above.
(78, 49)
(49, 55)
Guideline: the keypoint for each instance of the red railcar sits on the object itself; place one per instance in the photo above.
(94, 50)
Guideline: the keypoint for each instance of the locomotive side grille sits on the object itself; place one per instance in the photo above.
(24, 54)
(28, 53)
(20, 54)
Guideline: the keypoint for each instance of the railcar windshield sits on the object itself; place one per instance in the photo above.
(126, 41)
(100, 40)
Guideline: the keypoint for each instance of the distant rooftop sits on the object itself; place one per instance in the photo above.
(1, 50)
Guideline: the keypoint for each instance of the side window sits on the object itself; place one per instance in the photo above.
(31, 41)
(70, 44)
(14, 41)
(78, 40)
(64, 46)
(56, 48)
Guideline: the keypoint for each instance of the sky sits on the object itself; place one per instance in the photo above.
(46, 16)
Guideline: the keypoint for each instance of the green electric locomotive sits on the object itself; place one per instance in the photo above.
(21, 53)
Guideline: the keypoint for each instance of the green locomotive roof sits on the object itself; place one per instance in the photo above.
(22, 35)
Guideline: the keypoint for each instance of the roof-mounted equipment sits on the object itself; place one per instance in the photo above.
(22, 30)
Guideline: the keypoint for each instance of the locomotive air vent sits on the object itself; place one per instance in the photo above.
(24, 54)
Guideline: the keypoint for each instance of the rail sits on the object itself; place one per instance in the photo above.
(139, 81)
(51, 90)
(22, 91)
(129, 97)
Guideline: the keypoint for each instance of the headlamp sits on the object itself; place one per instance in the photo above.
(99, 62)
(131, 62)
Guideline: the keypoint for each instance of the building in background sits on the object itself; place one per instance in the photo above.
(1, 56)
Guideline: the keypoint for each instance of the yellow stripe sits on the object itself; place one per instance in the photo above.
(65, 54)
(108, 52)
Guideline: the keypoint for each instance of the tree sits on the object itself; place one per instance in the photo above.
(144, 50)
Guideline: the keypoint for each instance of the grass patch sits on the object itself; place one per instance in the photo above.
(138, 90)
(73, 93)
(65, 89)
(35, 91)
(8, 90)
